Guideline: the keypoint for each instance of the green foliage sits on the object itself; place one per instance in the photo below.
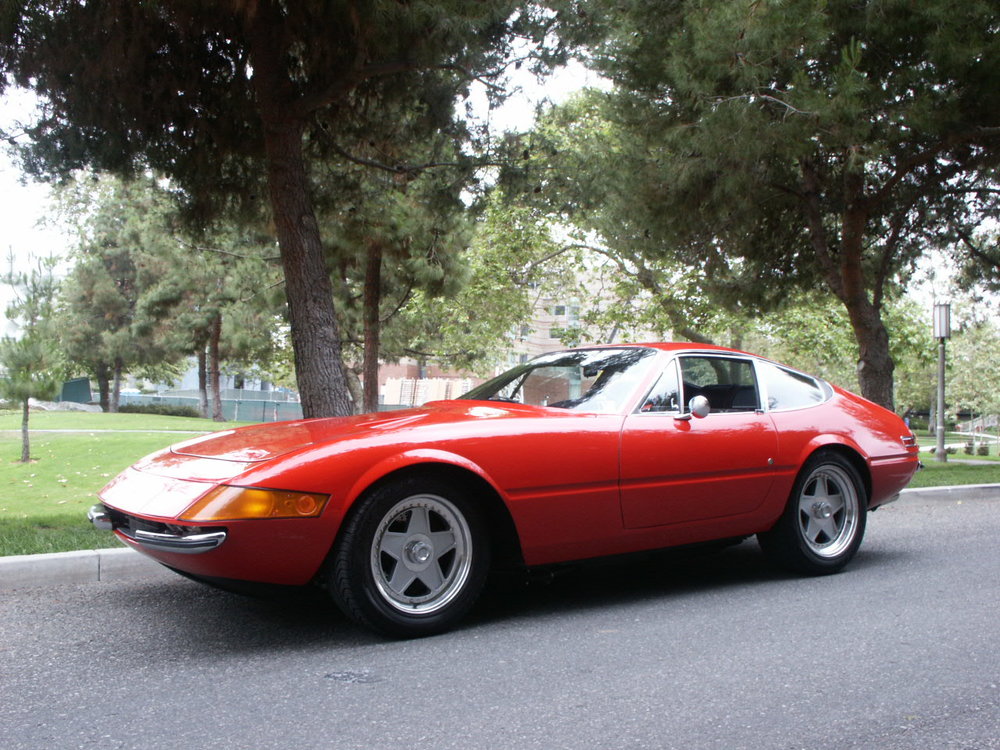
(30, 361)
(786, 144)
(164, 410)
(973, 379)
(513, 263)
(124, 246)
(146, 289)
(978, 254)
(237, 101)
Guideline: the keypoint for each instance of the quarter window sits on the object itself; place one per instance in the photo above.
(787, 389)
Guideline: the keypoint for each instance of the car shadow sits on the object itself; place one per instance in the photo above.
(622, 581)
(199, 619)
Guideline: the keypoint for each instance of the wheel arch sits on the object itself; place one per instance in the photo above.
(500, 524)
(854, 458)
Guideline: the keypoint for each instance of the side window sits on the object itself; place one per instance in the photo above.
(787, 389)
(665, 395)
(727, 382)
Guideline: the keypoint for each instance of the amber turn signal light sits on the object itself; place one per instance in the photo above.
(225, 503)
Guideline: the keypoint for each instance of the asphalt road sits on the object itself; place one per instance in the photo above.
(900, 651)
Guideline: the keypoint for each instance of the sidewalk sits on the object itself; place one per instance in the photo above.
(125, 564)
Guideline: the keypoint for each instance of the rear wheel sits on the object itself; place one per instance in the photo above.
(411, 560)
(824, 521)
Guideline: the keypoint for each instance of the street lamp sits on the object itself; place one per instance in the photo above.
(942, 331)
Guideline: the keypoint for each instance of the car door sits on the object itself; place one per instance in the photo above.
(676, 468)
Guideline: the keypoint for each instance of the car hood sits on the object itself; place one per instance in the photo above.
(263, 442)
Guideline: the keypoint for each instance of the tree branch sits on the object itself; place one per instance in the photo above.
(217, 251)
(975, 251)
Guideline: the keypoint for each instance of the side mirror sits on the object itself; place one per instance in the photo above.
(697, 407)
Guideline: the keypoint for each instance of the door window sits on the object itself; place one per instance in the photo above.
(727, 382)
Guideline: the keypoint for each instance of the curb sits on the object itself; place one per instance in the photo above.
(84, 566)
(125, 564)
(976, 490)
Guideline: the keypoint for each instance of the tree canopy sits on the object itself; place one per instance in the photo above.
(238, 101)
(808, 142)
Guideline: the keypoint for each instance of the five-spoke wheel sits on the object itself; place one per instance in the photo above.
(421, 554)
(824, 521)
(411, 559)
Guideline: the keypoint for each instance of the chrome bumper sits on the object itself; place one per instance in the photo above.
(183, 543)
(187, 544)
(98, 515)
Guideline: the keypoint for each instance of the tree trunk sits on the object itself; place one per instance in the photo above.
(354, 386)
(116, 385)
(315, 336)
(373, 295)
(213, 368)
(203, 380)
(103, 375)
(25, 436)
(845, 274)
(875, 365)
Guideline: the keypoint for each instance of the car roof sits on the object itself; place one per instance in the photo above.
(669, 346)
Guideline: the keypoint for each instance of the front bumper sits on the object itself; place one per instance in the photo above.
(157, 536)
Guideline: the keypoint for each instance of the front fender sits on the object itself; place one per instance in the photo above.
(415, 457)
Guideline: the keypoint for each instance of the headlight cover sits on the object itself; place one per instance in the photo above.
(229, 503)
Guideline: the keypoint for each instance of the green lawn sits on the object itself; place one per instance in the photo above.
(44, 503)
(958, 440)
(937, 474)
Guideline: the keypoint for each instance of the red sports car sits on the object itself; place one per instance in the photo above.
(573, 455)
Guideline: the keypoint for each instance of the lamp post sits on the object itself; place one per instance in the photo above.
(942, 331)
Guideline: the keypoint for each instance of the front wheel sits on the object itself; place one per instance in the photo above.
(824, 521)
(411, 560)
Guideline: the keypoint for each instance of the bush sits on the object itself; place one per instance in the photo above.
(983, 450)
(951, 450)
(968, 448)
(163, 410)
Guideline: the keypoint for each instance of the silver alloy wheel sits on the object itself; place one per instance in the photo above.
(421, 554)
(828, 511)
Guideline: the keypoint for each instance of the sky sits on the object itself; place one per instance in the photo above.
(23, 206)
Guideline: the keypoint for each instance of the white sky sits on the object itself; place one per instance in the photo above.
(23, 205)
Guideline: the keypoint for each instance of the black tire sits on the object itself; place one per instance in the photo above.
(411, 559)
(824, 522)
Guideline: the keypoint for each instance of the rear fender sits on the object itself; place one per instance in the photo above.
(845, 447)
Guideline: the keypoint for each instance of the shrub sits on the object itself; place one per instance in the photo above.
(163, 410)
(983, 450)
(968, 448)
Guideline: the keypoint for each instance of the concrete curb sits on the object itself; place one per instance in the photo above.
(84, 566)
(125, 564)
(975, 490)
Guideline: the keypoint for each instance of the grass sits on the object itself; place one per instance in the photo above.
(938, 474)
(958, 441)
(43, 505)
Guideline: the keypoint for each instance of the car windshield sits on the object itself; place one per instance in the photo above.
(591, 380)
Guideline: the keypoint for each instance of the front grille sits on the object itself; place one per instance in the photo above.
(128, 525)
